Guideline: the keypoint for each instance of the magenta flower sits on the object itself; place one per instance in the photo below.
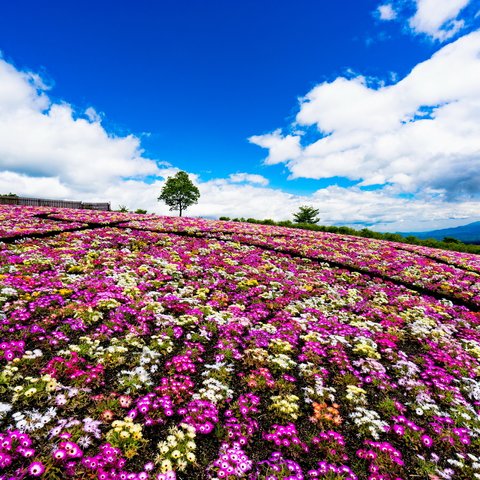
(427, 441)
(59, 454)
(36, 469)
(398, 429)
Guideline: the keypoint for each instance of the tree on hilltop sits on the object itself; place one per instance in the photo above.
(179, 192)
(306, 214)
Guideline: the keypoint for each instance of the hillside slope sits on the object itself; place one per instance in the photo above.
(146, 347)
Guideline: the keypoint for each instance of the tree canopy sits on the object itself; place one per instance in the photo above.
(306, 214)
(179, 192)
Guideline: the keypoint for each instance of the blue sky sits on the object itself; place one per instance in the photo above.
(185, 85)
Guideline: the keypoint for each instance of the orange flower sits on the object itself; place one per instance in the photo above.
(324, 413)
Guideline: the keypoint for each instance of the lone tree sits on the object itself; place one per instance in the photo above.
(179, 192)
(306, 214)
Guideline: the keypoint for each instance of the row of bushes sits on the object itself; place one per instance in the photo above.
(448, 243)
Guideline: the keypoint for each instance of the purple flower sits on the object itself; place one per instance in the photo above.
(59, 454)
(427, 441)
(36, 469)
(399, 429)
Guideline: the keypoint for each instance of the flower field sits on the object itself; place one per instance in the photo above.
(145, 347)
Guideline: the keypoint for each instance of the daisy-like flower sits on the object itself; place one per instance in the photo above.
(59, 454)
(427, 441)
(4, 408)
(149, 466)
(5, 460)
(107, 415)
(55, 431)
(9, 355)
(170, 475)
(60, 399)
(6, 444)
(84, 441)
(36, 469)
(125, 401)
(92, 426)
(26, 452)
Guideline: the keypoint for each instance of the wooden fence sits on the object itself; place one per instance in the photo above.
(43, 202)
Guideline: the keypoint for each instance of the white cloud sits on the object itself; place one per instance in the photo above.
(281, 148)
(386, 12)
(45, 139)
(422, 132)
(11, 182)
(93, 115)
(438, 18)
(337, 206)
(346, 206)
(248, 178)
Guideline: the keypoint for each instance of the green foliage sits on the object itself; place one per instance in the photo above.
(268, 221)
(179, 192)
(451, 240)
(122, 208)
(225, 219)
(140, 210)
(306, 214)
(285, 223)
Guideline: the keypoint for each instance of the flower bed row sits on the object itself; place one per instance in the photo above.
(469, 261)
(415, 267)
(23, 221)
(95, 216)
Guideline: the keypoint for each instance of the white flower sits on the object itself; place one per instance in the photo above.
(84, 441)
(4, 409)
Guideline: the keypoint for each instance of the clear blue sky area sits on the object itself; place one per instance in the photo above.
(195, 79)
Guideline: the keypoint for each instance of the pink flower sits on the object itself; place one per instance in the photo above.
(427, 441)
(36, 469)
(125, 401)
(59, 454)
(9, 355)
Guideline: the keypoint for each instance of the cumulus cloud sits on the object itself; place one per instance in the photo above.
(12, 182)
(422, 132)
(438, 18)
(380, 209)
(386, 12)
(281, 147)
(337, 206)
(41, 138)
(248, 178)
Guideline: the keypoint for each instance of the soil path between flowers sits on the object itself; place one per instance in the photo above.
(228, 236)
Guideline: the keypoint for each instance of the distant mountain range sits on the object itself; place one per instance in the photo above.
(466, 233)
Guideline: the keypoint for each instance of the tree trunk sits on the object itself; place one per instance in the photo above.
(180, 212)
